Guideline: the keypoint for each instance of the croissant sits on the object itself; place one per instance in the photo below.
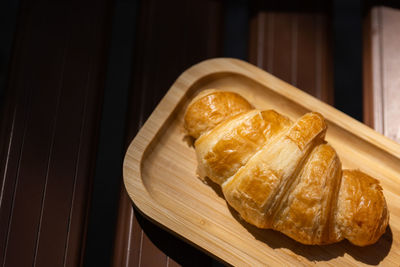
(283, 175)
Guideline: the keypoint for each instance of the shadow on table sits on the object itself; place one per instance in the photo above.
(177, 249)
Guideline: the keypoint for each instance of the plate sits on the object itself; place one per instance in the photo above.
(159, 173)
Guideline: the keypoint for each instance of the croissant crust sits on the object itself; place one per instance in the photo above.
(281, 174)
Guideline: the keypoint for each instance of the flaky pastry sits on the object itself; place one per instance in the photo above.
(281, 174)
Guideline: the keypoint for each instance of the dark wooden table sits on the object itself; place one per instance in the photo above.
(83, 76)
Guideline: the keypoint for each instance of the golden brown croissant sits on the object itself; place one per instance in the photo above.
(281, 174)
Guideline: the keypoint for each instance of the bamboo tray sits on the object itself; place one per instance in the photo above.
(159, 173)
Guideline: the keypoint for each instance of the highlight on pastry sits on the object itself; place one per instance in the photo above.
(283, 175)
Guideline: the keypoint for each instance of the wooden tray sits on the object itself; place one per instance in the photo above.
(159, 173)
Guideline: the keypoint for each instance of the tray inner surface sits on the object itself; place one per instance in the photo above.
(169, 167)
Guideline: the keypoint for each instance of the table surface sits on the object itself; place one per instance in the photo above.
(93, 80)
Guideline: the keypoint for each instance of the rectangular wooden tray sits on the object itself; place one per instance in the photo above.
(160, 167)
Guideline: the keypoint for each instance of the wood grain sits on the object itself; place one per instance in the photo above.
(49, 131)
(381, 71)
(293, 43)
(159, 173)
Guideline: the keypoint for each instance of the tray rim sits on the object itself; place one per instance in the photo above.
(132, 176)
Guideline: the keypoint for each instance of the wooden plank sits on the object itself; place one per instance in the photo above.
(293, 43)
(168, 42)
(54, 99)
(368, 117)
(159, 173)
(381, 79)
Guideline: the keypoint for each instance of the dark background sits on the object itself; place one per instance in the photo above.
(138, 61)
